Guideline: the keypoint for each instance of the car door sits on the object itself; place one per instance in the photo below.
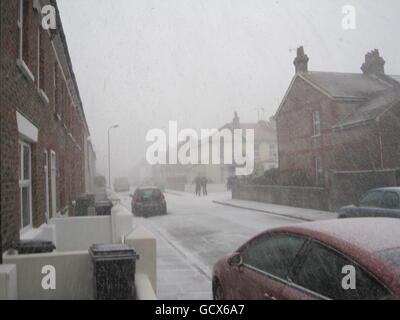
(324, 273)
(266, 263)
(391, 204)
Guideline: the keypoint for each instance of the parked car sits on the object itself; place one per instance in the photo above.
(383, 202)
(315, 260)
(148, 201)
(121, 185)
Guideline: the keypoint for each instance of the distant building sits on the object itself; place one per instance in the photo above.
(265, 151)
(47, 158)
(332, 121)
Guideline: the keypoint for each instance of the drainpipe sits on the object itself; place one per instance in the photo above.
(380, 141)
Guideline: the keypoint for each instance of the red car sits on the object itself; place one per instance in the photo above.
(349, 259)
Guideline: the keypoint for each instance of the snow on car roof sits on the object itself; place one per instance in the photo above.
(370, 234)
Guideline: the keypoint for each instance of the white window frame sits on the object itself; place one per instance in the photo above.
(25, 183)
(53, 177)
(20, 60)
(317, 123)
(40, 90)
(273, 152)
(318, 169)
(257, 147)
(47, 184)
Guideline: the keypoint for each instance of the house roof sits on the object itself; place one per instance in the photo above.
(347, 85)
(263, 131)
(375, 93)
(371, 109)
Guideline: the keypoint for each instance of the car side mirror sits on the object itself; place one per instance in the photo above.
(236, 260)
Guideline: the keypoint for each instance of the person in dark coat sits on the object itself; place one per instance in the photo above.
(204, 182)
(197, 182)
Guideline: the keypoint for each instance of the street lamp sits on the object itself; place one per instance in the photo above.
(109, 155)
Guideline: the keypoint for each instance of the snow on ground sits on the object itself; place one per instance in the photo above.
(194, 235)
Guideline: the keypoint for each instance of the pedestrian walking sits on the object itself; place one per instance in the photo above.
(197, 182)
(204, 182)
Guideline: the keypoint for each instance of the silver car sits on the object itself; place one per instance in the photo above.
(383, 202)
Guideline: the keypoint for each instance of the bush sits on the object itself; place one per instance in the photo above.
(270, 177)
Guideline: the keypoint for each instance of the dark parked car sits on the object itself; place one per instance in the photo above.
(316, 260)
(148, 201)
(384, 202)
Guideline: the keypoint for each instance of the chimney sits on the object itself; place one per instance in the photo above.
(374, 63)
(301, 61)
(236, 121)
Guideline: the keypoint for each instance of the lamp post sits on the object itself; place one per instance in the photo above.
(109, 155)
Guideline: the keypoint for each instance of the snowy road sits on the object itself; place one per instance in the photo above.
(194, 235)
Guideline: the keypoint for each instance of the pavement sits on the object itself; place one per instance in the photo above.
(198, 231)
(284, 211)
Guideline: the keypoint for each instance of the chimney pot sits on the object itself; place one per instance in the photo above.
(301, 61)
(374, 63)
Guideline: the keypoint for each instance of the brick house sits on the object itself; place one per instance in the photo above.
(265, 151)
(47, 158)
(332, 121)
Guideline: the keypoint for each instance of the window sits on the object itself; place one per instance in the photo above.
(41, 79)
(273, 254)
(23, 47)
(391, 200)
(372, 199)
(57, 92)
(257, 150)
(316, 123)
(25, 184)
(321, 272)
(272, 151)
(318, 171)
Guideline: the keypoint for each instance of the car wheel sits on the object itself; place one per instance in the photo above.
(218, 292)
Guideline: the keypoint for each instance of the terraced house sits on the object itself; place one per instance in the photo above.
(47, 158)
(330, 121)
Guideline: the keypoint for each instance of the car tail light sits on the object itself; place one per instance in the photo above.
(138, 198)
(162, 197)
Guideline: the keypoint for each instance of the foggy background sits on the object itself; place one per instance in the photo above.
(141, 63)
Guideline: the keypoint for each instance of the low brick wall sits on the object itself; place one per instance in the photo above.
(302, 197)
(345, 189)
(348, 187)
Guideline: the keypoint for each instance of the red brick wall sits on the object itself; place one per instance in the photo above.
(19, 94)
(353, 149)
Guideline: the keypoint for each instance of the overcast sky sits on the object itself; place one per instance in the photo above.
(141, 63)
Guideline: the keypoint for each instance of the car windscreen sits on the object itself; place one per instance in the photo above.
(392, 256)
(150, 193)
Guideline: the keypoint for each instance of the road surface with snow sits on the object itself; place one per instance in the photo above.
(195, 233)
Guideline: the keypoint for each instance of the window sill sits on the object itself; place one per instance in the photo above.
(25, 70)
(43, 96)
(316, 136)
